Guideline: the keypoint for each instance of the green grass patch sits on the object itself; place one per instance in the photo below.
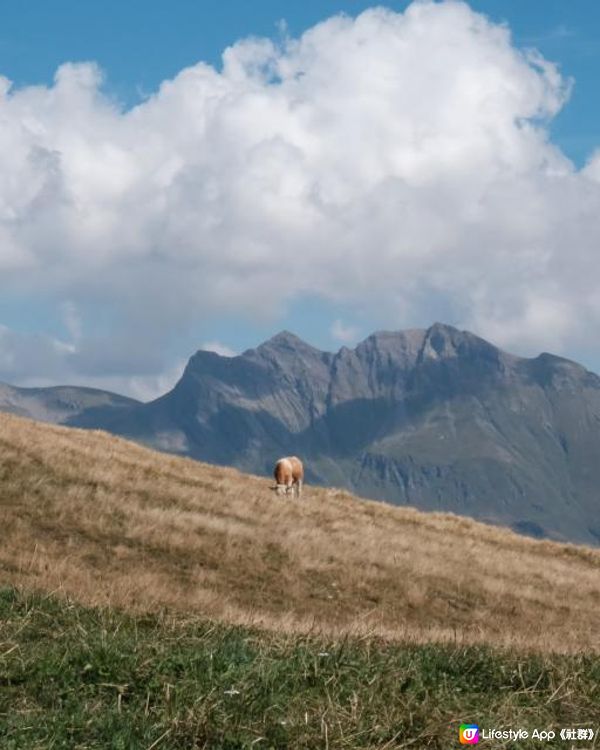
(72, 677)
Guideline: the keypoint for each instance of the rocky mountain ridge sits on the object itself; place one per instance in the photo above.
(436, 418)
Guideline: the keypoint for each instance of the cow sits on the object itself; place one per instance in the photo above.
(289, 475)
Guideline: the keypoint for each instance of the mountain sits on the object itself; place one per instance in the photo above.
(438, 418)
(61, 404)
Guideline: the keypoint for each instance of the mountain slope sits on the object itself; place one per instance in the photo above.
(111, 522)
(437, 418)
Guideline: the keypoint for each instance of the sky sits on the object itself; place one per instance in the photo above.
(202, 175)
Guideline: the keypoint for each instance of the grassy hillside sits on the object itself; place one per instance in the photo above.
(83, 679)
(113, 524)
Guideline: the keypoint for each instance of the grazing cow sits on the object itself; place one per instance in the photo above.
(289, 475)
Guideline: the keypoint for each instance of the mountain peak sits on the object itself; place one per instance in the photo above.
(441, 341)
(285, 337)
(285, 341)
(443, 328)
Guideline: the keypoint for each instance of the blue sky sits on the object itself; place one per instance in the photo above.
(138, 45)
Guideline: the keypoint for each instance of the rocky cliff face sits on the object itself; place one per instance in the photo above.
(435, 418)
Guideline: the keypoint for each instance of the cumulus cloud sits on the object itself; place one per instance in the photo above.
(397, 163)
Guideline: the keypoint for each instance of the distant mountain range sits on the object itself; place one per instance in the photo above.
(436, 418)
(62, 404)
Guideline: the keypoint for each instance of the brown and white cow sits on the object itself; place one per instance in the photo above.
(289, 475)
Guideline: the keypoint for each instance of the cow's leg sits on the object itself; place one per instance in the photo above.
(290, 487)
(281, 489)
(299, 488)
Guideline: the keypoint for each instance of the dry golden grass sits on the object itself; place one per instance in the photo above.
(112, 523)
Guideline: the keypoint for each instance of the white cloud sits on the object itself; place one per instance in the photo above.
(143, 387)
(34, 361)
(72, 320)
(23, 354)
(218, 348)
(347, 334)
(394, 163)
